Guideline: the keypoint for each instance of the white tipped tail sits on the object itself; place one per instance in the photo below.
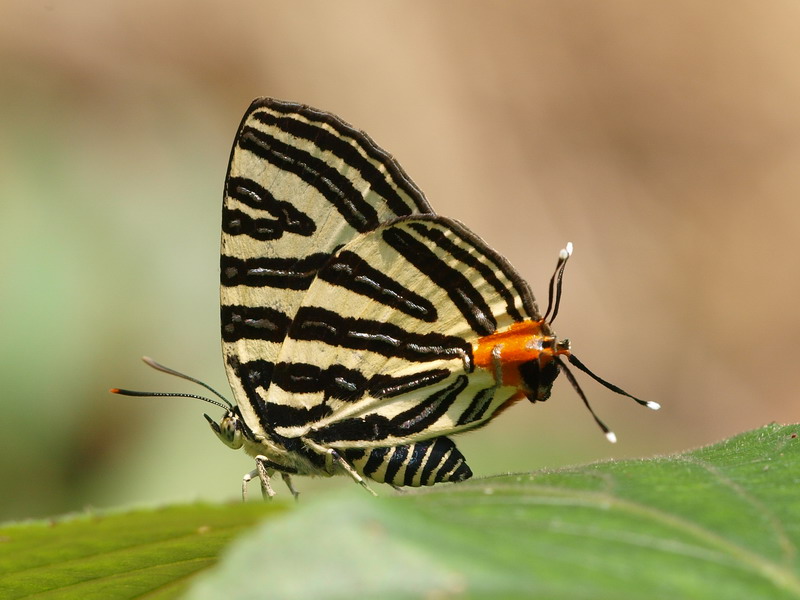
(611, 437)
(652, 405)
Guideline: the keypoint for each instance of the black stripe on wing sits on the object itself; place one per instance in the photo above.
(462, 293)
(283, 415)
(349, 385)
(344, 129)
(389, 386)
(338, 144)
(328, 181)
(284, 273)
(253, 323)
(487, 271)
(422, 415)
(337, 382)
(350, 271)
(254, 377)
(477, 408)
(254, 373)
(374, 427)
(286, 218)
(318, 324)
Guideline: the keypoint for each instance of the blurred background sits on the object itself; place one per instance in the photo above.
(662, 139)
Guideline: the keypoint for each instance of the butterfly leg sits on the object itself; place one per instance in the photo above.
(467, 360)
(350, 470)
(248, 477)
(264, 477)
(287, 479)
(497, 364)
(333, 455)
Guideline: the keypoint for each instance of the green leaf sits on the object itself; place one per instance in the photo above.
(718, 522)
(152, 552)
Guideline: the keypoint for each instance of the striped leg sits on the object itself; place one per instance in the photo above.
(287, 479)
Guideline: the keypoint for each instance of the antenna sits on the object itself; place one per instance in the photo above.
(555, 284)
(159, 367)
(616, 389)
(579, 365)
(610, 435)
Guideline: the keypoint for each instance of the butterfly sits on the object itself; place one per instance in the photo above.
(361, 330)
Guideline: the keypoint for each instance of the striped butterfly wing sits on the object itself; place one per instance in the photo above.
(301, 183)
(378, 359)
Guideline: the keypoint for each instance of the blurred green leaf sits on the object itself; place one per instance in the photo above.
(718, 522)
(153, 552)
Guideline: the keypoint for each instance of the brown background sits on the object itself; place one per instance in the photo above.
(662, 138)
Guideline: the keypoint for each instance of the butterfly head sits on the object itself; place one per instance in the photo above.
(230, 429)
(538, 374)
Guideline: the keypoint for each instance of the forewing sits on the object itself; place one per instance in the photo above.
(380, 350)
(301, 183)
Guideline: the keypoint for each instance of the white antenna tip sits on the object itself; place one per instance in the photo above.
(569, 248)
(653, 405)
(611, 437)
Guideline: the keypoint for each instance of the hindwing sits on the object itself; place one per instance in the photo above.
(380, 350)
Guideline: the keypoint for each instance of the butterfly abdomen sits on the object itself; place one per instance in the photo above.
(424, 463)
